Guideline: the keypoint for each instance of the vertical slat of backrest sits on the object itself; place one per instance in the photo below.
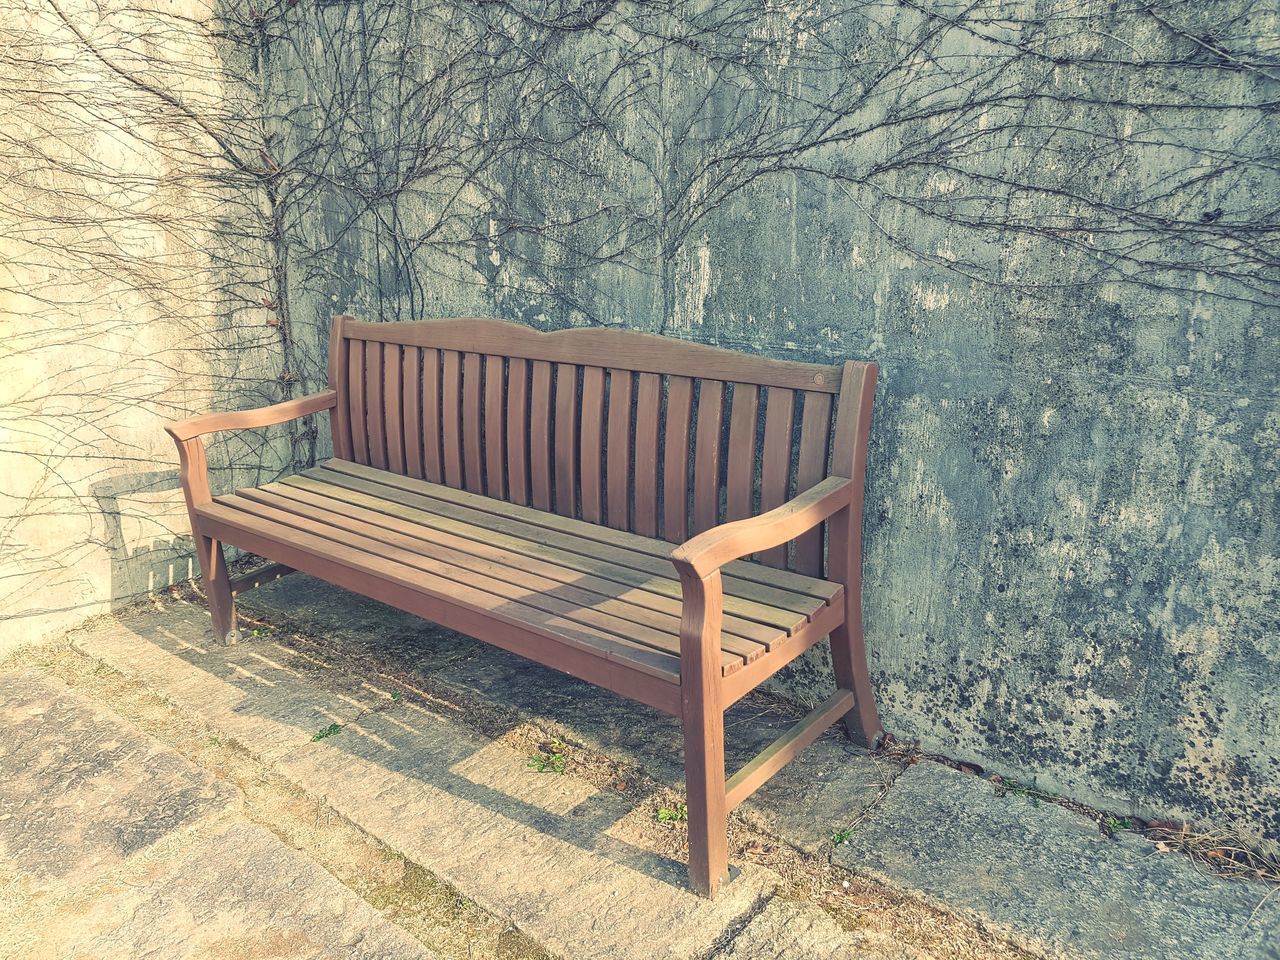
(339, 371)
(644, 520)
(566, 439)
(675, 460)
(517, 430)
(392, 405)
(451, 417)
(432, 446)
(706, 456)
(495, 428)
(592, 443)
(618, 449)
(743, 420)
(355, 381)
(375, 421)
(775, 457)
(411, 377)
(853, 420)
(811, 467)
(472, 423)
(540, 436)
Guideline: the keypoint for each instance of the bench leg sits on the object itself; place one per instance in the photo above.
(217, 587)
(704, 785)
(848, 651)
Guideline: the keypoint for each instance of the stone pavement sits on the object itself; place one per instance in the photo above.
(420, 755)
(112, 846)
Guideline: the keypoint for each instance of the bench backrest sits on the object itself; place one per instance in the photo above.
(644, 433)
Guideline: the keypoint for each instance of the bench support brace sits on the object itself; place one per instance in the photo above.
(786, 748)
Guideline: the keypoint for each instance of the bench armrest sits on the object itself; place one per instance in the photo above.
(244, 419)
(710, 550)
(194, 468)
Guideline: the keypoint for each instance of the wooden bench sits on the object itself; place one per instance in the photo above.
(640, 512)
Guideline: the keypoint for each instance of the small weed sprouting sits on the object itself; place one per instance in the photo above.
(395, 694)
(1113, 824)
(550, 758)
(261, 631)
(679, 813)
(841, 837)
(328, 731)
(1020, 789)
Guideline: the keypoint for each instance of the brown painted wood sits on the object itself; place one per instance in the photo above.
(592, 486)
(472, 422)
(412, 404)
(375, 421)
(782, 590)
(775, 460)
(618, 450)
(706, 456)
(339, 364)
(513, 585)
(644, 520)
(827, 620)
(467, 452)
(815, 434)
(260, 577)
(393, 405)
(495, 428)
(245, 419)
(432, 429)
(451, 416)
(566, 439)
(355, 378)
(644, 352)
(518, 431)
(747, 617)
(545, 639)
(849, 458)
(786, 748)
(702, 720)
(675, 459)
(475, 547)
(743, 420)
(713, 548)
(540, 451)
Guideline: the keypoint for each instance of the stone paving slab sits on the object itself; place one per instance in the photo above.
(243, 894)
(786, 930)
(80, 791)
(826, 789)
(546, 850)
(1045, 871)
(263, 694)
(114, 847)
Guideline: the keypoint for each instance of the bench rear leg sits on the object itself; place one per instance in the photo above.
(849, 657)
(217, 588)
(848, 651)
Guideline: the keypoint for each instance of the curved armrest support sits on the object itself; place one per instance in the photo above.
(244, 419)
(706, 553)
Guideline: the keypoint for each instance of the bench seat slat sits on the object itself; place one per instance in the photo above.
(635, 621)
(447, 601)
(789, 589)
(643, 589)
(506, 585)
(742, 598)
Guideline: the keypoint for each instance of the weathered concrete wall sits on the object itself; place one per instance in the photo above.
(1027, 220)
(1052, 225)
(132, 268)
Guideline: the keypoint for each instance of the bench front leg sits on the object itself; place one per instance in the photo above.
(702, 716)
(193, 471)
